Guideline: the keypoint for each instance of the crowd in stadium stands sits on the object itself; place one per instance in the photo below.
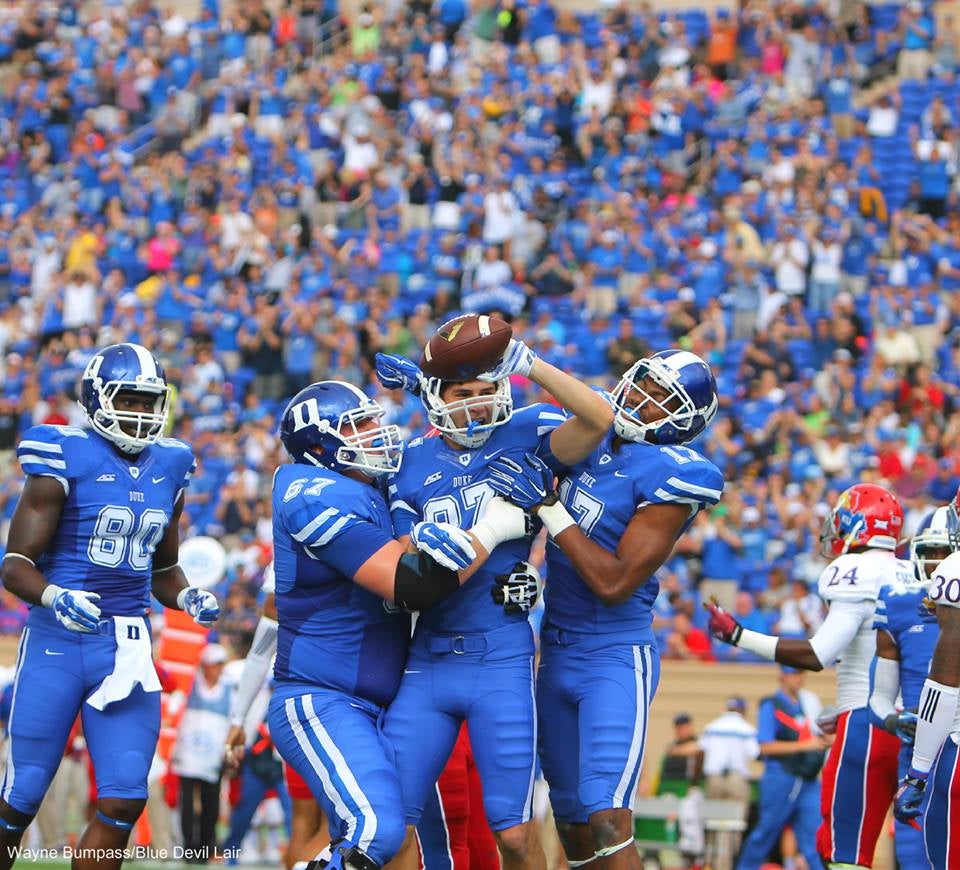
(266, 198)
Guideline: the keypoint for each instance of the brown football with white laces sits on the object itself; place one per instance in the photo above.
(465, 347)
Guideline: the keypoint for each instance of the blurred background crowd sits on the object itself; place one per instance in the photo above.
(268, 193)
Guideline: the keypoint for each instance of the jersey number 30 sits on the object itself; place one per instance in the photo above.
(112, 532)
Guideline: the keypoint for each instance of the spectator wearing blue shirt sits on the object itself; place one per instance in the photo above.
(838, 97)
(916, 39)
(928, 317)
(383, 210)
(934, 174)
(540, 30)
(606, 264)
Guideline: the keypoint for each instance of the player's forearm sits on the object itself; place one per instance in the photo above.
(21, 577)
(796, 653)
(605, 575)
(168, 584)
(935, 716)
(592, 413)
(883, 695)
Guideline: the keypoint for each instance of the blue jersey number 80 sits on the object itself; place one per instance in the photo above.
(112, 534)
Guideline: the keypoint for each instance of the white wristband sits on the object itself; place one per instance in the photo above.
(555, 518)
(181, 595)
(50, 592)
(486, 535)
(764, 645)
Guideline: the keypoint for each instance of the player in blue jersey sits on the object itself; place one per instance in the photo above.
(470, 661)
(905, 644)
(613, 522)
(94, 533)
(343, 586)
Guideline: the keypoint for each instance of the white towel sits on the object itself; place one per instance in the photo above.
(133, 664)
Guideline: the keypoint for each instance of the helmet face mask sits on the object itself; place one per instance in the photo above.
(108, 380)
(674, 388)
(324, 426)
(931, 545)
(459, 420)
(374, 450)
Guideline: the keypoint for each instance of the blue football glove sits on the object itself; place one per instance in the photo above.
(200, 604)
(399, 373)
(527, 483)
(517, 359)
(76, 611)
(908, 803)
(518, 591)
(903, 724)
(446, 544)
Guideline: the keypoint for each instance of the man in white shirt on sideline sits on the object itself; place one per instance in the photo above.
(729, 744)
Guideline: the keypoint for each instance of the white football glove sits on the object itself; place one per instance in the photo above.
(517, 359)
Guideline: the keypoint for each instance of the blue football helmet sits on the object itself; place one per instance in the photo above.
(125, 368)
(937, 537)
(689, 407)
(320, 427)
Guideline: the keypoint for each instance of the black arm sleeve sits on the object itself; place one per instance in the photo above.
(420, 582)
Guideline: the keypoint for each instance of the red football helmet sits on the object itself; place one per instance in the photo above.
(865, 515)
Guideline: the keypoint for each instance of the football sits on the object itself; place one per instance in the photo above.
(465, 347)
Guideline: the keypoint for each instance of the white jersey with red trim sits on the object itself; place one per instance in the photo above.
(859, 577)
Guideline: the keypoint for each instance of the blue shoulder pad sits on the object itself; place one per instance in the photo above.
(60, 452)
(178, 457)
(538, 420)
(313, 508)
(683, 476)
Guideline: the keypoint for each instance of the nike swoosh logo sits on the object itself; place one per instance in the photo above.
(50, 652)
(619, 474)
(157, 479)
(491, 455)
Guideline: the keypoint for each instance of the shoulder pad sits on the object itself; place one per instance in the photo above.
(178, 456)
(945, 591)
(174, 442)
(55, 451)
(683, 475)
(851, 577)
(311, 486)
(315, 508)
